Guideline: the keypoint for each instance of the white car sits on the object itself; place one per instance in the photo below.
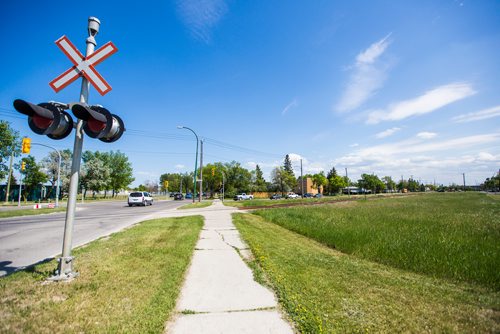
(140, 198)
(292, 195)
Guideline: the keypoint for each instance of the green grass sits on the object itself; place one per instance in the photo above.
(28, 212)
(455, 236)
(128, 283)
(326, 291)
(197, 205)
(284, 202)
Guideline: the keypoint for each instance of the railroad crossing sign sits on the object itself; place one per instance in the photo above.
(83, 66)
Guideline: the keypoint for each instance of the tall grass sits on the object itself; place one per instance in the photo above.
(455, 236)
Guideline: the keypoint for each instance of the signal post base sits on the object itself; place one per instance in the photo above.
(65, 271)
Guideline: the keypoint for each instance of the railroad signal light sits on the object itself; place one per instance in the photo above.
(48, 118)
(99, 123)
(26, 145)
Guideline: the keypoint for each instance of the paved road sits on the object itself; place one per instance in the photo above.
(30, 239)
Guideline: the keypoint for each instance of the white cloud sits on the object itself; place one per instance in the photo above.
(296, 158)
(354, 145)
(387, 133)
(426, 103)
(366, 77)
(426, 135)
(180, 166)
(478, 115)
(200, 16)
(290, 105)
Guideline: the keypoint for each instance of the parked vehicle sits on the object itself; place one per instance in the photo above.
(292, 195)
(318, 195)
(243, 197)
(140, 198)
(178, 197)
(308, 195)
(189, 196)
(275, 196)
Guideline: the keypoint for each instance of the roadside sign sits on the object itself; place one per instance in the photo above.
(83, 66)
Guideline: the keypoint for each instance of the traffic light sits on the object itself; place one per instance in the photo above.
(98, 122)
(165, 183)
(48, 118)
(23, 165)
(26, 145)
(213, 171)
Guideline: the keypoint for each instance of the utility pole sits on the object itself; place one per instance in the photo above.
(301, 180)
(9, 177)
(463, 174)
(201, 171)
(348, 186)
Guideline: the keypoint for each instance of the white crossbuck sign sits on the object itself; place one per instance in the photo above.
(83, 66)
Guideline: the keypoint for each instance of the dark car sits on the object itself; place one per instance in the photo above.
(318, 196)
(308, 195)
(178, 197)
(275, 196)
(189, 196)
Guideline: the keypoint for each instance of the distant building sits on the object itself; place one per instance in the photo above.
(308, 187)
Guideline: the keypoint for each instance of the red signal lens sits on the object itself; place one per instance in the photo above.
(95, 125)
(41, 122)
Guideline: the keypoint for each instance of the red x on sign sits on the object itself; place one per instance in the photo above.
(83, 66)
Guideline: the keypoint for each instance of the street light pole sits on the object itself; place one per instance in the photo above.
(58, 171)
(195, 160)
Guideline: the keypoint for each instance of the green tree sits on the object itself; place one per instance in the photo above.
(287, 165)
(336, 183)
(10, 144)
(238, 178)
(33, 176)
(260, 182)
(389, 182)
(319, 180)
(50, 165)
(281, 180)
(120, 176)
(331, 175)
(95, 173)
(371, 182)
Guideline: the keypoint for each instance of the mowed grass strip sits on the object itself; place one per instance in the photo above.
(326, 291)
(455, 236)
(197, 205)
(28, 212)
(128, 283)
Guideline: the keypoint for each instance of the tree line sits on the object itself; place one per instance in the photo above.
(100, 171)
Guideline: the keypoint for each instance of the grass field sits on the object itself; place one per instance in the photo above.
(454, 236)
(128, 283)
(284, 202)
(326, 291)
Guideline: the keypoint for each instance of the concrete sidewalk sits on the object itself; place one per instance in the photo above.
(219, 294)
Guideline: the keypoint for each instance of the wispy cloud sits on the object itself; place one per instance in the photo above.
(290, 105)
(366, 78)
(387, 133)
(426, 135)
(180, 166)
(478, 115)
(428, 102)
(201, 16)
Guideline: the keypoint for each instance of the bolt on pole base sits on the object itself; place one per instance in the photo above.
(65, 271)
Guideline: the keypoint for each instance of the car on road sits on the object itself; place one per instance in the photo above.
(275, 196)
(140, 198)
(189, 196)
(292, 195)
(178, 197)
(243, 197)
(308, 195)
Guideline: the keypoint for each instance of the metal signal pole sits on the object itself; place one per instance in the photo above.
(201, 171)
(65, 270)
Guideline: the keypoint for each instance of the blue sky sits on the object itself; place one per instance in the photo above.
(394, 88)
